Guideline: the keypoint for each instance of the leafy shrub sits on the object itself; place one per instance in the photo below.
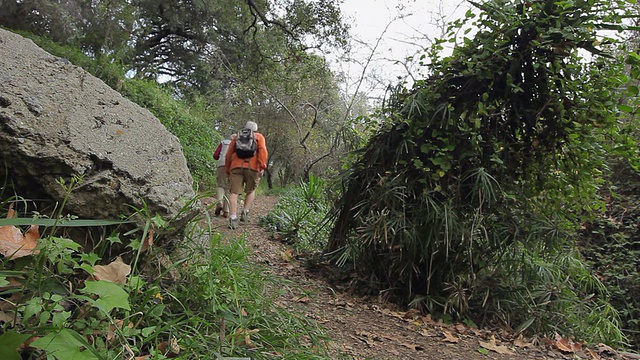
(611, 246)
(547, 292)
(300, 216)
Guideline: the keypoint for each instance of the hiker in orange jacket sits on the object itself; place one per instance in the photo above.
(245, 173)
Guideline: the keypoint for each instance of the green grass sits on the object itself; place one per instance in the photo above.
(205, 300)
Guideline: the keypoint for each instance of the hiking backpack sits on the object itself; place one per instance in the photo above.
(246, 144)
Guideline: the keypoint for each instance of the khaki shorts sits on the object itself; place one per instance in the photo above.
(222, 180)
(243, 177)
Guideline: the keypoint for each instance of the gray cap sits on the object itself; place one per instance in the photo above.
(251, 125)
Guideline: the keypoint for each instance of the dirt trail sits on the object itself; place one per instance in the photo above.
(368, 328)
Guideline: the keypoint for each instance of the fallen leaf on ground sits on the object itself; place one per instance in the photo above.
(427, 319)
(412, 314)
(522, 343)
(389, 338)
(461, 328)
(594, 355)
(116, 272)
(170, 348)
(493, 346)
(566, 346)
(366, 337)
(606, 349)
(388, 312)
(427, 332)
(11, 213)
(397, 341)
(413, 346)
(286, 255)
(246, 333)
(480, 332)
(13, 244)
(117, 325)
(448, 337)
(7, 317)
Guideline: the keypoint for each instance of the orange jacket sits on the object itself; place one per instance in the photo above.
(257, 163)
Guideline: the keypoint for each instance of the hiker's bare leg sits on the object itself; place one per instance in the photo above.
(220, 195)
(233, 204)
(225, 203)
(248, 200)
(252, 179)
(235, 188)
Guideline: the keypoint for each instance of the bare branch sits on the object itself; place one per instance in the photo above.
(313, 124)
(293, 117)
(256, 12)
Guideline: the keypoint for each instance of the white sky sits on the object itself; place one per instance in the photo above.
(401, 27)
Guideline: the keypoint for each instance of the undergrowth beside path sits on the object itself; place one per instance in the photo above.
(364, 326)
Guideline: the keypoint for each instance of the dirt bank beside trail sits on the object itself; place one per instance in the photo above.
(368, 328)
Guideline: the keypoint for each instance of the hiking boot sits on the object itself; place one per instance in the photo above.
(233, 224)
(244, 216)
(218, 209)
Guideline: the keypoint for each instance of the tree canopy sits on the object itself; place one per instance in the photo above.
(233, 61)
(177, 38)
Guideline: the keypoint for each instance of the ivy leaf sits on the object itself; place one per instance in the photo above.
(632, 59)
(32, 307)
(91, 258)
(625, 108)
(110, 295)
(66, 345)
(10, 341)
(443, 162)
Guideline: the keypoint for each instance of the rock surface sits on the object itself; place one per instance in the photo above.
(58, 121)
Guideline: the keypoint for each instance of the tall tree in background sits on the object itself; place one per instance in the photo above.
(205, 42)
(97, 27)
(174, 37)
(233, 60)
(470, 196)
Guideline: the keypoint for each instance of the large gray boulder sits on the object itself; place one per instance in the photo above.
(58, 121)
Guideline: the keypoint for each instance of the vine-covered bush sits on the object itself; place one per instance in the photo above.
(469, 199)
